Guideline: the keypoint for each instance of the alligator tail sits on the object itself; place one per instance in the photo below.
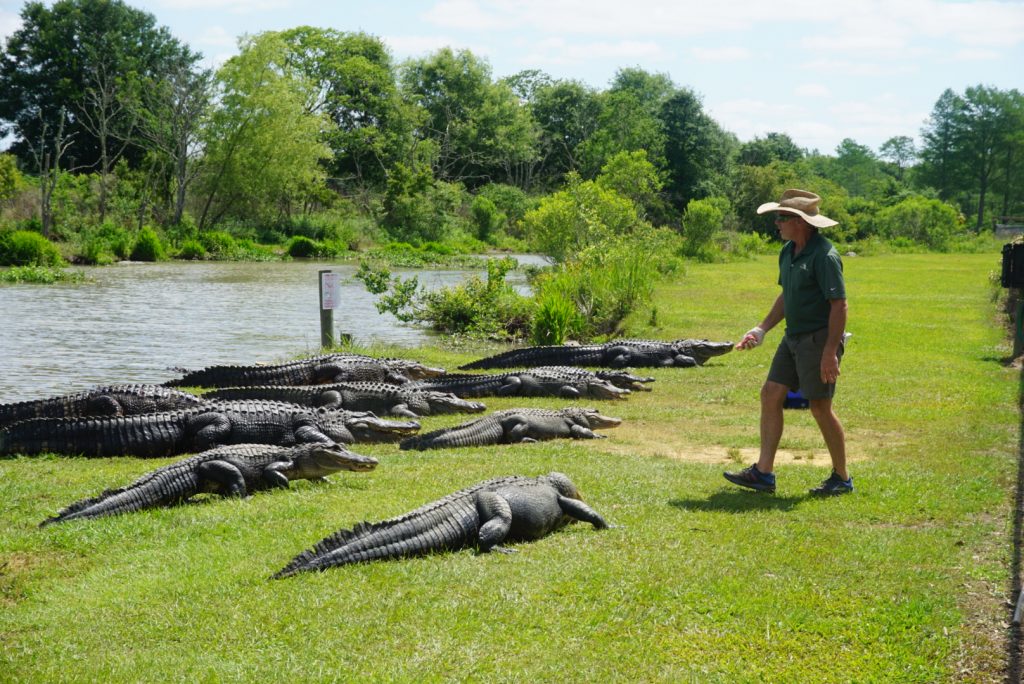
(432, 529)
(487, 430)
(161, 487)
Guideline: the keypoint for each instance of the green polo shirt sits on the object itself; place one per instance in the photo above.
(809, 280)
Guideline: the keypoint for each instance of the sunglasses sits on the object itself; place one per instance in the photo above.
(782, 218)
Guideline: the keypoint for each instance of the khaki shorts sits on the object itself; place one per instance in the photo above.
(797, 364)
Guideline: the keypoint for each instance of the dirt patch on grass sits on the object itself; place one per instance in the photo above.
(647, 444)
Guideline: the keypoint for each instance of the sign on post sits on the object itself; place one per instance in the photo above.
(330, 293)
(330, 290)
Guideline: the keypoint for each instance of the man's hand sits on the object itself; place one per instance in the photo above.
(829, 368)
(753, 338)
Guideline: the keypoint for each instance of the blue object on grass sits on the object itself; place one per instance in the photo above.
(795, 400)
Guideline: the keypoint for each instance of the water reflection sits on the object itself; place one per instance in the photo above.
(137, 320)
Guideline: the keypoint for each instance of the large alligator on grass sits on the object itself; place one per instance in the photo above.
(236, 470)
(615, 354)
(169, 433)
(379, 397)
(513, 426)
(549, 381)
(317, 370)
(505, 509)
(110, 400)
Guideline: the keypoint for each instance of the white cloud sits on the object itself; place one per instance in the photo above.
(853, 67)
(561, 52)
(233, 6)
(974, 55)
(721, 54)
(812, 90)
(9, 23)
(217, 36)
(462, 15)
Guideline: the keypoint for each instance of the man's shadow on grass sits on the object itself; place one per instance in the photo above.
(739, 501)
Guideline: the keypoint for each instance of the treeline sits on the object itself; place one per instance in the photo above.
(318, 134)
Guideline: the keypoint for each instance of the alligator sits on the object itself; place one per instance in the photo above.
(169, 433)
(516, 425)
(549, 381)
(317, 370)
(236, 470)
(110, 400)
(504, 509)
(380, 397)
(615, 354)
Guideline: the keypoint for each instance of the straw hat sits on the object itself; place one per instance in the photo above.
(802, 203)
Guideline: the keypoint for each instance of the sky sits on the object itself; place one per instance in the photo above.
(816, 70)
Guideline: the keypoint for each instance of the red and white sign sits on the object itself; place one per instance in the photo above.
(330, 290)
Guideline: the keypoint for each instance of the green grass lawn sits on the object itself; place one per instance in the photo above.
(905, 580)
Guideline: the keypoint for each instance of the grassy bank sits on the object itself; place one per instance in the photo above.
(906, 580)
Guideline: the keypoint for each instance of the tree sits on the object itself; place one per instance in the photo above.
(697, 150)
(624, 124)
(772, 147)
(632, 176)
(63, 52)
(900, 151)
(985, 126)
(478, 128)
(567, 113)
(263, 145)
(171, 109)
(941, 161)
(354, 85)
(856, 167)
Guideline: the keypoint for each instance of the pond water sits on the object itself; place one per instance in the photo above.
(134, 322)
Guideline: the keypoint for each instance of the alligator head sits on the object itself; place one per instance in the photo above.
(367, 427)
(411, 370)
(596, 419)
(324, 458)
(701, 350)
(602, 389)
(447, 401)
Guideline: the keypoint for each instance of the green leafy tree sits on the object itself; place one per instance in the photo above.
(624, 124)
(986, 124)
(479, 130)
(567, 113)
(941, 158)
(263, 144)
(856, 167)
(698, 152)
(582, 214)
(900, 152)
(354, 85)
(80, 57)
(772, 147)
(929, 222)
(10, 177)
(631, 175)
(702, 220)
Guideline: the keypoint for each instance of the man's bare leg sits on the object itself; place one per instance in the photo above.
(832, 431)
(773, 396)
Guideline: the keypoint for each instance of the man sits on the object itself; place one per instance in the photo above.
(813, 303)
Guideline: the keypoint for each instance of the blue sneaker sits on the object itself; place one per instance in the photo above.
(752, 478)
(833, 485)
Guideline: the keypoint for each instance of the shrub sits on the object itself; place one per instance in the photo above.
(486, 218)
(193, 250)
(40, 275)
(555, 320)
(510, 201)
(926, 221)
(582, 214)
(105, 244)
(27, 248)
(300, 247)
(702, 220)
(148, 246)
(218, 243)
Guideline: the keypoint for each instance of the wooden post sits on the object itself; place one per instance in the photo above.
(327, 304)
(1018, 338)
